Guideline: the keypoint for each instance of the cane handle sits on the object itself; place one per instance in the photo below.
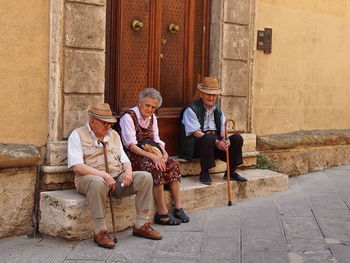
(226, 126)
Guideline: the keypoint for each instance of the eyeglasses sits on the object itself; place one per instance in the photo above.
(104, 123)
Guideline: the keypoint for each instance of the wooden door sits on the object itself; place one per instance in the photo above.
(161, 44)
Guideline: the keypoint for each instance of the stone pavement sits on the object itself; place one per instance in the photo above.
(309, 222)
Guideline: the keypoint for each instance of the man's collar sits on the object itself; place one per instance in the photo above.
(105, 139)
(209, 110)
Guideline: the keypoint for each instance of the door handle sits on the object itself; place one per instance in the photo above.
(137, 25)
(173, 28)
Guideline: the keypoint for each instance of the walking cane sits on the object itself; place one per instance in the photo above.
(228, 161)
(109, 192)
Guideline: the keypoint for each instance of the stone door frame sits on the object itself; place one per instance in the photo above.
(231, 57)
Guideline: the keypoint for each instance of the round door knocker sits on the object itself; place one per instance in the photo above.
(137, 25)
(173, 28)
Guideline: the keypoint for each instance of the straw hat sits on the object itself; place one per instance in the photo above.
(103, 112)
(210, 85)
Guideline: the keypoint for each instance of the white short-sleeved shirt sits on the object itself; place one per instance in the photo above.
(75, 149)
(191, 123)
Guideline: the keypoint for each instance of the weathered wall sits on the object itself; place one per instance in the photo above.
(304, 83)
(24, 48)
(16, 201)
(18, 181)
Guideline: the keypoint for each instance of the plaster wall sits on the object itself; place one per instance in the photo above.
(304, 83)
(24, 49)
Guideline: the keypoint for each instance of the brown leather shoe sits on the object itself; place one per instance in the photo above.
(146, 231)
(103, 240)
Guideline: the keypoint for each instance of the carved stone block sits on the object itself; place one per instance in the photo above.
(84, 72)
(17, 196)
(56, 153)
(235, 42)
(236, 108)
(18, 155)
(237, 11)
(85, 26)
(75, 111)
(235, 77)
(95, 2)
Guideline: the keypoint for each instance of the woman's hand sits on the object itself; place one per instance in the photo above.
(159, 162)
(165, 155)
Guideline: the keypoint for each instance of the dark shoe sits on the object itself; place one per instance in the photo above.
(167, 187)
(172, 221)
(181, 215)
(103, 240)
(146, 231)
(204, 178)
(235, 177)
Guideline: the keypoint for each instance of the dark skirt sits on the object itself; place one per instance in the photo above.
(141, 163)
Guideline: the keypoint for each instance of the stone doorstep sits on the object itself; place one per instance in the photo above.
(65, 214)
(193, 168)
(56, 155)
(61, 175)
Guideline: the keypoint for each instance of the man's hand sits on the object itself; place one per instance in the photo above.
(222, 145)
(109, 181)
(83, 169)
(127, 178)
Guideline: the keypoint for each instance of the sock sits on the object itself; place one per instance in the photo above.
(141, 219)
(100, 224)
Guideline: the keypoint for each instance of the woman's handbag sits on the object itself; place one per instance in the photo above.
(151, 146)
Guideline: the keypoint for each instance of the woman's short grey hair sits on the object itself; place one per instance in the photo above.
(151, 93)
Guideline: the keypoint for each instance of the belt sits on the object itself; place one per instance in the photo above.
(210, 132)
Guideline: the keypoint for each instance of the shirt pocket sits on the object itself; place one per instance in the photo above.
(115, 154)
(89, 148)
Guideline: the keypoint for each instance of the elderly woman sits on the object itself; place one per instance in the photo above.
(140, 136)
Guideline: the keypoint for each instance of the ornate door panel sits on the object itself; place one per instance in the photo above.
(172, 50)
(133, 52)
(173, 39)
(160, 44)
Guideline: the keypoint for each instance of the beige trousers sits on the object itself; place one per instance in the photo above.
(96, 191)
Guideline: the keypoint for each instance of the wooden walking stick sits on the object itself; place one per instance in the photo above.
(228, 161)
(109, 192)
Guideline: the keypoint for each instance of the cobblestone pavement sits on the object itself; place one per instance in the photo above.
(310, 222)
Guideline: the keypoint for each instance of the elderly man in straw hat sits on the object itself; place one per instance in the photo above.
(86, 157)
(203, 130)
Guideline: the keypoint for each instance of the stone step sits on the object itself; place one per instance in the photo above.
(193, 168)
(57, 177)
(65, 214)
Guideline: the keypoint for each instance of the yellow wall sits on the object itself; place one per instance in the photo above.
(305, 83)
(24, 49)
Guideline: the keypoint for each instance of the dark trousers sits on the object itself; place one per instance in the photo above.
(205, 150)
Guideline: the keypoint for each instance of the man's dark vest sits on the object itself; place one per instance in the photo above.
(187, 142)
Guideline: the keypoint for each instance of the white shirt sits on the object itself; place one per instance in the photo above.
(75, 149)
(191, 123)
